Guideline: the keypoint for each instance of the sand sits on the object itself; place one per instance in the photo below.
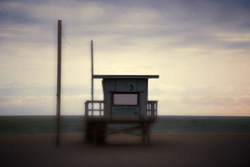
(168, 150)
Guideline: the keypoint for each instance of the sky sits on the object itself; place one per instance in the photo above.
(199, 48)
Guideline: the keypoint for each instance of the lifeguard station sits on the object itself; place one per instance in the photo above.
(125, 102)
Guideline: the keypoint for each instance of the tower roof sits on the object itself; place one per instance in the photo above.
(125, 76)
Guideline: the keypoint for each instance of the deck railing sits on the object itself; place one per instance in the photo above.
(96, 109)
(152, 107)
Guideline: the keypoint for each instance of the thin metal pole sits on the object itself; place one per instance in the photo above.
(58, 106)
(92, 80)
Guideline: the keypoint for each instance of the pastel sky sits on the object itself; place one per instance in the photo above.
(200, 49)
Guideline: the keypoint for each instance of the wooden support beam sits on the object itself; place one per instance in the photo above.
(58, 105)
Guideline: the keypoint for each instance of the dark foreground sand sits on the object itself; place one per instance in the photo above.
(170, 150)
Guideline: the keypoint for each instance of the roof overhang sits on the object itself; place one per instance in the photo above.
(125, 76)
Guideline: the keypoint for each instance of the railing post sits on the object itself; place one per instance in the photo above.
(86, 109)
(152, 109)
(100, 108)
(156, 108)
(92, 108)
(147, 110)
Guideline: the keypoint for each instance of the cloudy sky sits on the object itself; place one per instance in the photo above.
(200, 49)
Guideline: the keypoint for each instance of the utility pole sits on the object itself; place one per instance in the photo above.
(58, 105)
(92, 74)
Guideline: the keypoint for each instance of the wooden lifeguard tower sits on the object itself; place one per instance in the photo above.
(125, 102)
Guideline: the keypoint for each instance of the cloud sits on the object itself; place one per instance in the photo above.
(30, 105)
(201, 100)
(33, 99)
(184, 23)
(42, 105)
(200, 48)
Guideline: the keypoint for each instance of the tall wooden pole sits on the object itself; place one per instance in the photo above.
(92, 74)
(58, 106)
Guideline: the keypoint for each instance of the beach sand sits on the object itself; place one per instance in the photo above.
(168, 150)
